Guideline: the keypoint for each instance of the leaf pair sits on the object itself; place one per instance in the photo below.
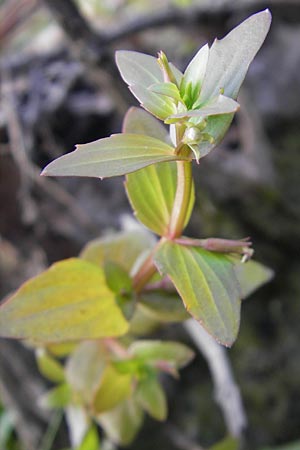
(207, 90)
(71, 300)
(211, 285)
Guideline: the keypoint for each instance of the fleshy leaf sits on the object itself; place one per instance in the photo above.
(156, 183)
(69, 301)
(195, 72)
(123, 422)
(178, 355)
(207, 284)
(251, 275)
(122, 248)
(115, 387)
(152, 398)
(116, 155)
(85, 368)
(230, 57)
(49, 367)
(218, 106)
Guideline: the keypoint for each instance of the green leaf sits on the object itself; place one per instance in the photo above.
(156, 183)
(61, 349)
(230, 57)
(69, 301)
(120, 282)
(117, 278)
(178, 355)
(218, 106)
(207, 284)
(138, 121)
(140, 71)
(229, 443)
(6, 427)
(115, 387)
(138, 68)
(49, 367)
(167, 89)
(122, 248)
(195, 72)
(122, 424)
(216, 127)
(84, 369)
(57, 398)
(91, 440)
(116, 155)
(163, 306)
(152, 398)
(251, 275)
(142, 324)
(157, 104)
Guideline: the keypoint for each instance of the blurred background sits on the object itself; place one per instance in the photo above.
(58, 87)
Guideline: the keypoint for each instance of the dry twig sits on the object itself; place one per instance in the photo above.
(227, 393)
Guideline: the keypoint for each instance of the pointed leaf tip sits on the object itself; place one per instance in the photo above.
(112, 156)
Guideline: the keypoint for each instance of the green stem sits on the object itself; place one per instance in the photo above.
(182, 199)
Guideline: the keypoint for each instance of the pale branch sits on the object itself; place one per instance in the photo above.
(227, 393)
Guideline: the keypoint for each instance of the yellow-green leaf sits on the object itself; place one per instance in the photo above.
(113, 156)
(49, 367)
(122, 248)
(69, 301)
(152, 397)
(123, 422)
(57, 398)
(229, 443)
(251, 275)
(117, 278)
(153, 351)
(163, 306)
(207, 284)
(138, 121)
(84, 369)
(115, 387)
(90, 440)
(152, 190)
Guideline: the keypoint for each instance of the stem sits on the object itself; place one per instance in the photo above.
(182, 199)
(147, 270)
